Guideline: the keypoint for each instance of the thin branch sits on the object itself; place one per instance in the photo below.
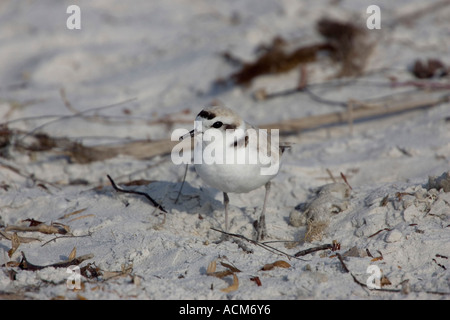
(315, 249)
(69, 236)
(26, 265)
(382, 108)
(257, 243)
(119, 189)
(79, 114)
(346, 270)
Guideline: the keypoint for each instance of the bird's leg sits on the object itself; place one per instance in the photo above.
(261, 231)
(226, 200)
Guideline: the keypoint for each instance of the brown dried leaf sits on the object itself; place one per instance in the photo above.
(268, 267)
(256, 279)
(230, 267)
(43, 228)
(73, 254)
(275, 58)
(211, 267)
(233, 287)
(384, 281)
(82, 217)
(15, 243)
(279, 264)
(126, 270)
(377, 259)
(431, 68)
(211, 270)
(351, 45)
(72, 213)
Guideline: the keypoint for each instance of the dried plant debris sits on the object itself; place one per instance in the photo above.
(26, 265)
(230, 270)
(119, 189)
(315, 230)
(431, 68)
(417, 203)
(351, 44)
(41, 142)
(53, 228)
(15, 243)
(126, 269)
(276, 264)
(5, 140)
(329, 246)
(329, 199)
(233, 287)
(276, 58)
(67, 215)
(346, 43)
(384, 281)
(9, 236)
(256, 280)
(72, 254)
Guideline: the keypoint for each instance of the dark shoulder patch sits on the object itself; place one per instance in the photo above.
(206, 115)
(242, 142)
(230, 126)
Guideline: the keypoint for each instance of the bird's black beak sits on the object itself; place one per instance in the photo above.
(190, 133)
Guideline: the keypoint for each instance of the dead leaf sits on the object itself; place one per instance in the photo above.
(82, 217)
(72, 213)
(279, 264)
(43, 228)
(432, 68)
(256, 279)
(230, 267)
(384, 281)
(211, 267)
(233, 287)
(221, 274)
(377, 259)
(211, 270)
(22, 239)
(73, 254)
(26, 265)
(15, 243)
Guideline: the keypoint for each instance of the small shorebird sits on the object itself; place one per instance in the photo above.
(234, 157)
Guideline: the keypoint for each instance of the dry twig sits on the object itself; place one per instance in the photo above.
(26, 265)
(118, 189)
(43, 228)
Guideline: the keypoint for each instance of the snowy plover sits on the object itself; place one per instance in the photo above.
(234, 157)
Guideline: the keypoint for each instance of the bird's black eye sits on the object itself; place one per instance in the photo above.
(217, 124)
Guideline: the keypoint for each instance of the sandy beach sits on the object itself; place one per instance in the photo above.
(360, 208)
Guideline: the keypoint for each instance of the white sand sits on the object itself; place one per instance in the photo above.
(166, 54)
